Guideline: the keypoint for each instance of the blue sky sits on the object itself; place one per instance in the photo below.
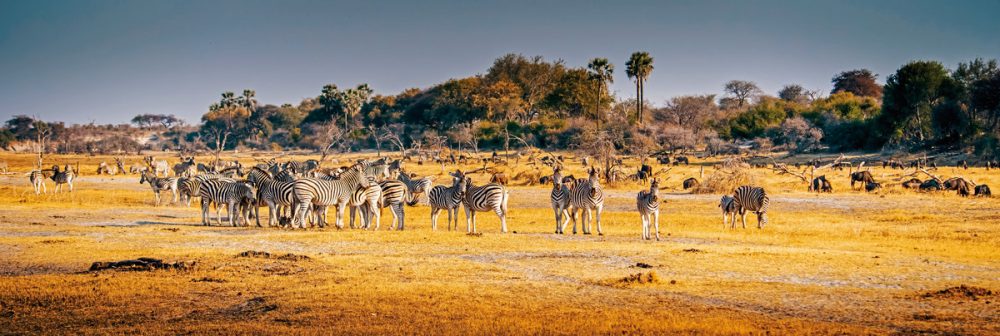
(106, 61)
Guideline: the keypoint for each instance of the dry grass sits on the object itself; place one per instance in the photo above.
(841, 263)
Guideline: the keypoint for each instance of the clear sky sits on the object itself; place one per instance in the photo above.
(106, 61)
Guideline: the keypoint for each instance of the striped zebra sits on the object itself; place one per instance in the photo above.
(752, 199)
(729, 211)
(322, 193)
(159, 184)
(187, 188)
(394, 194)
(447, 199)
(559, 198)
(366, 201)
(222, 193)
(37, 178)
(489, 197)
(417, 187)
(278, 195)
(587, 196)
(64, 176)
(648, 205)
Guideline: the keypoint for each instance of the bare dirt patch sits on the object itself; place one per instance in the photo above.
(961, 292)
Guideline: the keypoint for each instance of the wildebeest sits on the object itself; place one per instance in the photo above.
(872, 186)
(912, 183)
(690, 182)
(645, 171)
(983, 190)
(865, 177)
(932, 184)
(500, 178)
(821, 184)
(681, 159)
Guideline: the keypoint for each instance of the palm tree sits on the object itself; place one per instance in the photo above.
(638, 67)
(600, 71)
(249, 99)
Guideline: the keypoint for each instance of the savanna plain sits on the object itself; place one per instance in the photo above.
(894, 261)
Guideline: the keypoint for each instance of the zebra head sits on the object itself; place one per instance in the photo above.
(557, 179)
(143, 178)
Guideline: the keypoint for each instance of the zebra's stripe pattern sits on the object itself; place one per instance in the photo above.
(222, 193)
(187, 188)
(559, 198)
(279, 196)
(587, 197)
(489, 197)
(37, 178)
(366, 200)
(323, 193)
(648, 205)
(159, 184)
(394, 194)
(752, 199)
(729, 211)
(416, 186)
(447, 199)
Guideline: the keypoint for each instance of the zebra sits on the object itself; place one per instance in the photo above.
(492, 196)
(729, 210)
(187, 188)
(323, 193)
(120, 163)
(394, 194)
(366, 200)
(587, 196)
(159, 184)
(221, 193)
(185, 168)
(416, 186)
(37, 178)
(157, 166)
(64, 176)
(752, 199)
(278, 195)
(559, 198)
(447, 198)
(648, 205)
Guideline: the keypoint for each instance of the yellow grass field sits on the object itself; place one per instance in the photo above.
(843, 263)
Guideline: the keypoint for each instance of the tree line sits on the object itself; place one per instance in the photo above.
(530, 101)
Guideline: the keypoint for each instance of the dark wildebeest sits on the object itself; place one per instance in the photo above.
(664, 160)
(872, 186)
(645, 171)
(931, 184)
(952, 184)
(983, 190)
(821, 184)
(913, 183)
(690, 182)
(682, 159)
(865, 177)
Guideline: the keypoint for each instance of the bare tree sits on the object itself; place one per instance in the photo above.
(743, 91)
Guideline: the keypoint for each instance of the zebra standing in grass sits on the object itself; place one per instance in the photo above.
(187, 188)
(447, 199)
(489, 197)
(417, 187)
(729, 211)
(559, 198)
(648, 205)
(222, 193)
(37, 178)
(394, 195)
(366, 201)
(64, 176)
(587, 196)
(159, 184)
(323, 193)
(752, 199)
(277, 195)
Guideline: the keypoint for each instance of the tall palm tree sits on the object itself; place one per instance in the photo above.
(638, 67)
(249, 99)
(601, 71)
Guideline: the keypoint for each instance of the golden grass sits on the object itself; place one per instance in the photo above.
(841, 263)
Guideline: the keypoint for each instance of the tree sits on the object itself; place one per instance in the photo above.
(42, 133)
(638, 67)
(601, 72)
(860, 82)
(325, 137)
(501, 100)
(795, 93)
(535, 77)
(909, 97)
(227, 117)
(742, 91)
(691, 112)
(799, 135)
(351, 101)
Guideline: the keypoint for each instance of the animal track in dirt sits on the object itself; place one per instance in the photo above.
(959, 293)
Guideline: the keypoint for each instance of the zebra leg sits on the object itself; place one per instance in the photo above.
(744, 220)
(558, 218)
(434, 219)
(656, 223)
(340, 215)
(401, 212)
(474, 230)
(204, 212)
(352, 217)
(565, 221)
(156, 197)
(503, 219)
(572, 215)
(599, 210)
(377, 213)
(585, 218)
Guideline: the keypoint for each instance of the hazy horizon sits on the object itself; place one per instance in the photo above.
(106, 61)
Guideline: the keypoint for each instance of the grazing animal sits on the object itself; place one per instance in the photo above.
(417, 186)
(37, 178)
(159, 184)
(500, 178)
(448, 199)
(912, 183)
(690, 182)
(278, 195)
(187, 188)
(983, 190)
(729, 211)
(647, 202)
(559, 198)
(158, 167)
(120, 163)
(872, 186)
(821, 184)
(64, 176)
(681, 159)
(219, 192)
(323, 193)
(587, 196)
(752, 199)
(489, 197)
(394, 195)
(137, 169)
(185, 168)
(930, 185)
(106, 169)
(366, 200)
(865, 177)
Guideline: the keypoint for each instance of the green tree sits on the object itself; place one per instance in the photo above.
(860, 82)
(602, 73)
(909, 97)
(638, 67)
(742, 91)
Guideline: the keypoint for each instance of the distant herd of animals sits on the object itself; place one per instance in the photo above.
(298, 193)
